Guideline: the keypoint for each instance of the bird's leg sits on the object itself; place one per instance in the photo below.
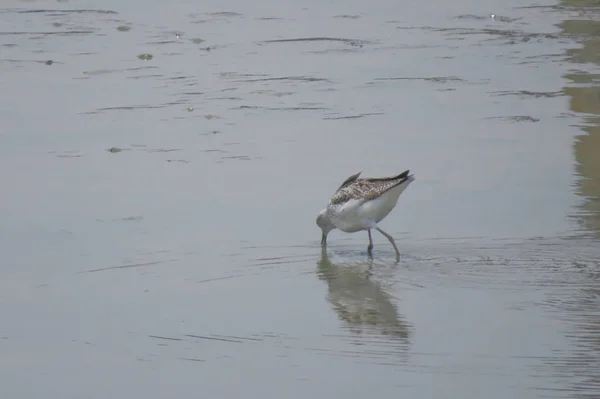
(370, 247)
(391, 239)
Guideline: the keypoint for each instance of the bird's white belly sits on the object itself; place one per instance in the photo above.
(380, 207)
(356, 215)
(347, 218)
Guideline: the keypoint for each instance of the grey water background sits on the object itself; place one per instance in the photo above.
(162, 164)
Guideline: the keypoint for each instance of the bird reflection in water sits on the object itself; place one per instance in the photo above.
(360, 301)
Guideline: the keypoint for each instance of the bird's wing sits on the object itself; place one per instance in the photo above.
(365, 189)
(349, 180)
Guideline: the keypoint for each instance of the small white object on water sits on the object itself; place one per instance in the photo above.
(359, 204)
(493, 16)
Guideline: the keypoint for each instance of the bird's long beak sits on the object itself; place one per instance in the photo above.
(324, 239)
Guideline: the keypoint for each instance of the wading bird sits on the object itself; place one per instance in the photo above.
(359, 204)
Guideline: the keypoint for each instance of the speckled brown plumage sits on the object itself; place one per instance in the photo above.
(365, 189)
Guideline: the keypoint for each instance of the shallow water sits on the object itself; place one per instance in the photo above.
(162, 167)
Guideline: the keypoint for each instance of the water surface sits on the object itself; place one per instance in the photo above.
(162, 166)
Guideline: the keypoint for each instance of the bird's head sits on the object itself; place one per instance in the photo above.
(325, 224)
